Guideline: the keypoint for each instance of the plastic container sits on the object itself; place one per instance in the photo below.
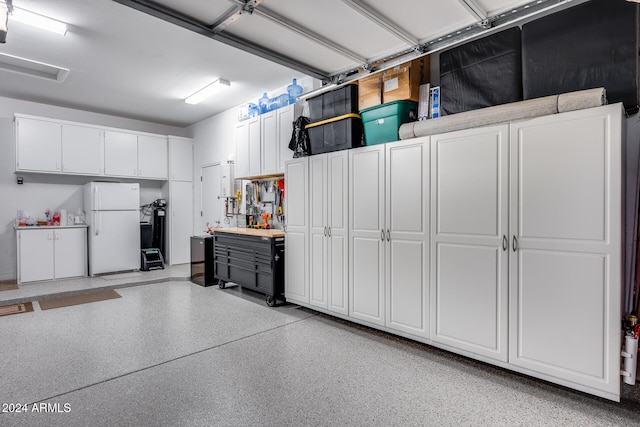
(263, 103)
(294, 90)
(335, 103)
(339, 133)
(382, 122)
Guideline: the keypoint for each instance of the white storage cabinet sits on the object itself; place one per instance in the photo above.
(328, 231)
(296, 200)
(51, 253)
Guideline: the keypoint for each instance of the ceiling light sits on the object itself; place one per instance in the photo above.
(208, 91)
(39, 21)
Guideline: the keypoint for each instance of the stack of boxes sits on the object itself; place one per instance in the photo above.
(334, 120)
(390, 98)
(373, 107)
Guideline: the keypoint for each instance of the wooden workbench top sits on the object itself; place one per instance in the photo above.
(262, 232)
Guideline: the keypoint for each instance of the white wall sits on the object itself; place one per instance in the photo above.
(41, 191)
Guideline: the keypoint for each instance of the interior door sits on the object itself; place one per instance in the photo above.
(469, 253)
(210, 202)
(407, 236)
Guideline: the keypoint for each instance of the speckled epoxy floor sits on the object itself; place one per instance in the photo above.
(174, 353)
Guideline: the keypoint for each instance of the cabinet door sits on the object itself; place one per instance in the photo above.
(82, 150)
(38, 145)
(70, 252)
(35, 255)
(286, 117)
(242, 150)
(469, 256)
(337, 276)
(565, 269)
(367, 234)
(152, 157)
(318, 230)
(296, 181)
(180, 221)
(254, 148)
(181, 159)
(120, 153)
(269, 143)
(407, 236)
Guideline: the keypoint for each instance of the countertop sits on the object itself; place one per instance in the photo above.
(263, 232)
(42, 227)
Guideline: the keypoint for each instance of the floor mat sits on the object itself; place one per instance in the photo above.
(24, 307)
(77, 299)
(8, 285)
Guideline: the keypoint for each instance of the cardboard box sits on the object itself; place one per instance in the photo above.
(402, 82)
(370, 91)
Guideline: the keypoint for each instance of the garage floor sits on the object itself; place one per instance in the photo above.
(174, 353)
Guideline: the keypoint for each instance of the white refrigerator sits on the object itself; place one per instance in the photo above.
(113, 215)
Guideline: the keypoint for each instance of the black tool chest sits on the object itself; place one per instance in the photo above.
(253, 262)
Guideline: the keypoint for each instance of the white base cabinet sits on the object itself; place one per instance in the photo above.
(502, 243)
(51, 253)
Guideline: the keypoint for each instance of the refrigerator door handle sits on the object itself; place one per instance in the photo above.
(95, 198)
(95, 221)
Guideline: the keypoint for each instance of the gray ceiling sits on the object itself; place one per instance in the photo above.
(140, 58)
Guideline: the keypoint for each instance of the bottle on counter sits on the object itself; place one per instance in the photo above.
(56, 218)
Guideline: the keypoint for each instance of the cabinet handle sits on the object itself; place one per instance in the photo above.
(388, 235)
(515, 243)
(505, 242)
(382, 234)
(329, 231)
(325, 231)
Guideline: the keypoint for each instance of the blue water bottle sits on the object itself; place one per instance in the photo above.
(263, 103)
(294, 90)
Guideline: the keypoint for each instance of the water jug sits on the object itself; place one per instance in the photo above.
(263, 103)
(294, 90)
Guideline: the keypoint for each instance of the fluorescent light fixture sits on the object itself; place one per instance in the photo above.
(27, 67)
(38, 21)
(208, 91)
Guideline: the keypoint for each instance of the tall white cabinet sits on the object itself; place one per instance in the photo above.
(180, 200)
(296, 200)
(501, 243)
(469, 240)
(566, 248)
(328, 231)
(389, 235)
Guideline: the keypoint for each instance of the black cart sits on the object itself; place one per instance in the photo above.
(253, 261)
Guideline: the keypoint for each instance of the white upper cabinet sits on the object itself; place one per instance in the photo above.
(152, 157)
(262, 143)
(82, 150)
(180, 159)
(38, 145)
(120, 154)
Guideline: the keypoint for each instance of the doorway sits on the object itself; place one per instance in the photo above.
(210, 202)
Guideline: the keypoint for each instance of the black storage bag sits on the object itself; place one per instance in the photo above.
(481, 73)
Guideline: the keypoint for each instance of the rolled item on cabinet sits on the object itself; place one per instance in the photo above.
(582, 99)
(498, 114)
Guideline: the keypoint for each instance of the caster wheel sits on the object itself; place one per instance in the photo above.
(221, 284)
(271, 301)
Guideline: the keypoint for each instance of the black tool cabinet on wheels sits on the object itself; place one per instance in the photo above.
(253, 259)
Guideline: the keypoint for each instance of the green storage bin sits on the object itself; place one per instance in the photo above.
(382, 122)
